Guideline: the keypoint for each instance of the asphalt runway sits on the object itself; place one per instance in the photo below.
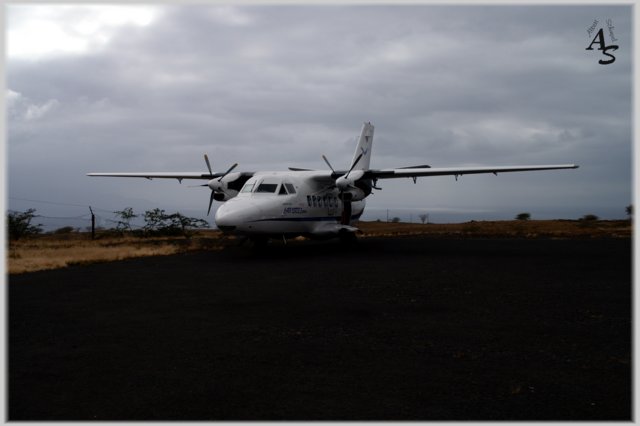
(391, 329)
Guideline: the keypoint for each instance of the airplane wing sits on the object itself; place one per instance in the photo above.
(163, 175)
(411, 172)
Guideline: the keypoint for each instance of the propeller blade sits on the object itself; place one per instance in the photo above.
(206, 159)
(328, 164)
(353, 165)
(228, 171)
(210, 202)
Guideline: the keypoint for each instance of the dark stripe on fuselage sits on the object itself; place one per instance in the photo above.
(307, 219)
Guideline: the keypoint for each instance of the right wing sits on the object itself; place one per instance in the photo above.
(412, 172)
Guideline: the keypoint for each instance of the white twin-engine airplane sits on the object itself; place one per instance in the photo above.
(315, 203)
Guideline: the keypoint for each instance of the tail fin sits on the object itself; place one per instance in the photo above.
(363, 151)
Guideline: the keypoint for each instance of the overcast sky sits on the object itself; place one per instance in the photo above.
(153, 88)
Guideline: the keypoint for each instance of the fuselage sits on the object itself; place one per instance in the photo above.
(287, 203)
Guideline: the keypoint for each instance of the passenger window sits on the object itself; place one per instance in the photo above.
(282, 191)
(314, 201)
(309, 200)
(290, 188)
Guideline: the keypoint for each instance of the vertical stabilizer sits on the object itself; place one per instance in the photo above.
(363, 151)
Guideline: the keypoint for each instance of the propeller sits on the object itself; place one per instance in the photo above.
(343, 182)
(213, 189)
(227, 172)
(206, 160)
(353, 165)
(328, 163)
(211, 198)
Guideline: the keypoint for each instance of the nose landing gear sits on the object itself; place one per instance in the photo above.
(346, 213)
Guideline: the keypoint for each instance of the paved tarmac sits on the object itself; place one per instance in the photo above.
(392, 329)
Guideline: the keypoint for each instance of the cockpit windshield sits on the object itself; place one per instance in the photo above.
(248, 187)
(268, 185)
(267, 188)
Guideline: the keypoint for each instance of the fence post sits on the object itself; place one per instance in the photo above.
(93, 224)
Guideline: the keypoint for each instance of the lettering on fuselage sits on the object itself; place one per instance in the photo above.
(294, 210)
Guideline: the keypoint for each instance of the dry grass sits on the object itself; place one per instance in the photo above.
(58, 251)
(53, 251)
(505, 229)
(26, 260)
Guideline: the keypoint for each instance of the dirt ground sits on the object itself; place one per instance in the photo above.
(410, 328)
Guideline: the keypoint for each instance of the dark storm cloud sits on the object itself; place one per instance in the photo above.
(273, 86)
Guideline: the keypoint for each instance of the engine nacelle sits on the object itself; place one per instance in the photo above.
(221, 196)
(220, 187)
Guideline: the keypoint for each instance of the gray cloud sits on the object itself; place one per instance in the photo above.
(275, 86)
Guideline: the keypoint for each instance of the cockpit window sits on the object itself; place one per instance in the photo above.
(282, 191)
(248, 187)
(267, 187)
(290, 188)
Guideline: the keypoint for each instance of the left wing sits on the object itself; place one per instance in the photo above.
(163, 175)
(412, 172)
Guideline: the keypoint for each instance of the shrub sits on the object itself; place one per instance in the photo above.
(19, 224)
(64, 230)
(124, 219)
(157, 222)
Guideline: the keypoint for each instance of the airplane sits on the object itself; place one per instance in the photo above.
(304, 202)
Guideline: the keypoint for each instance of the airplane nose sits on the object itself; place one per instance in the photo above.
(225, 220)
(237, 215)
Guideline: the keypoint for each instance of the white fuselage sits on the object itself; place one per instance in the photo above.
(287, 203)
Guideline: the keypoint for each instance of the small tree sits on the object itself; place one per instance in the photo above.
(185, 223)
(523, 216)
(155, 220)
(124, 219)
(424, 218)
(588, 220)
(19, 224)
(395, 220)
(629, 210)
